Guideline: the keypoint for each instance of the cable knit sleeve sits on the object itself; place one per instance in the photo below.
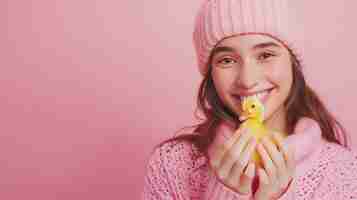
(333, 176)
(173, 172)
(156, 182)
(340, 180)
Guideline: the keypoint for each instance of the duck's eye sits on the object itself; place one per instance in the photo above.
(253, 106)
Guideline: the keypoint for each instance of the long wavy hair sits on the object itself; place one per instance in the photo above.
(302, 101)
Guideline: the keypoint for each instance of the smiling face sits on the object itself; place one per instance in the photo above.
(254, 64)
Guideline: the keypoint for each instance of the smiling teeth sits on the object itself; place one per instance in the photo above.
(258, 95)
(243, 98)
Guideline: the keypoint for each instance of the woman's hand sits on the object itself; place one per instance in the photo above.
(279, 168)
(230, 162)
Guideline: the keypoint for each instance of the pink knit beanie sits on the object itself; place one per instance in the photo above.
(218, 19)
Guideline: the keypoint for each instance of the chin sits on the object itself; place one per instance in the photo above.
(274, 112)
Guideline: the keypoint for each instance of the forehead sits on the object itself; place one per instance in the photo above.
(248, 42)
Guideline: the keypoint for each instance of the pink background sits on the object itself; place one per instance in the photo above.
(88, 87)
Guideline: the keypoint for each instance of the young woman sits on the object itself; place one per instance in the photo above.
(244, 48)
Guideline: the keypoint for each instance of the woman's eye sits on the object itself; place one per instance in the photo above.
(225, 61)
(265, 56)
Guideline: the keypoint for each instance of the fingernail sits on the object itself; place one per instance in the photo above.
(253, 140)
(266, 138)
(285, 147)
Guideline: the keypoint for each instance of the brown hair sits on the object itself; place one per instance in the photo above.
(301, 102)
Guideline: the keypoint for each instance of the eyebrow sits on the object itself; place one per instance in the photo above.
(257, 46)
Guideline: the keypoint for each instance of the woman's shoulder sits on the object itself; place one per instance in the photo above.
(338, 153)
(171, 170)
(335, 174)
(173, 154)
(341, 161)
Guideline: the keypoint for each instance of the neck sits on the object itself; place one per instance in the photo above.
(277, 121)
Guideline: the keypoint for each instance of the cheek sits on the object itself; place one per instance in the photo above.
(281, 75)
(222, 79)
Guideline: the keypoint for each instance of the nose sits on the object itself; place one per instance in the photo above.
(248, 76)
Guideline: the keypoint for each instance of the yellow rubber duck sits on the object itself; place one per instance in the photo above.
(253, 114)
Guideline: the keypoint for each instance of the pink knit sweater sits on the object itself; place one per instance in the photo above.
(324, 170)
